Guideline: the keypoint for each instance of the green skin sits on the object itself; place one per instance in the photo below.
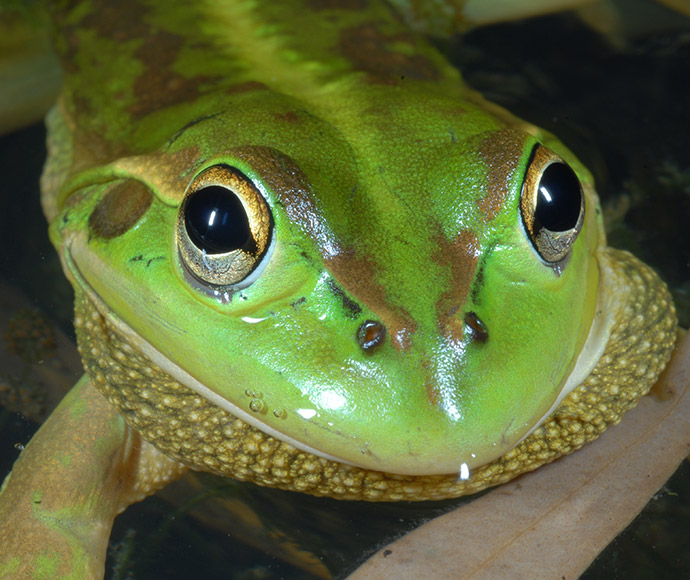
(395, 196)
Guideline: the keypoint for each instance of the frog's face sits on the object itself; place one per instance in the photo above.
(405, 288)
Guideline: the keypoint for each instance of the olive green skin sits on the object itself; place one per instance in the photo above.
(395, 196)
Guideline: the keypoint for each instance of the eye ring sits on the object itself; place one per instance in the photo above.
(224, 228)
(552, 205)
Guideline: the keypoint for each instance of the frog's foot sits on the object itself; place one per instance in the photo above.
(82, 468)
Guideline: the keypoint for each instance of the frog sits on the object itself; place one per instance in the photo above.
(316, 262)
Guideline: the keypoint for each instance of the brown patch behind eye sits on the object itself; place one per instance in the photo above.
(120, 209)
(461, 256)
(502, 151)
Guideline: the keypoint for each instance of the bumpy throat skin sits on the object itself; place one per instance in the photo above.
(413, 298)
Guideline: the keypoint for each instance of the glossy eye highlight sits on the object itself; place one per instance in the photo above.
(552, 205)
(224, 227)
(216, 220)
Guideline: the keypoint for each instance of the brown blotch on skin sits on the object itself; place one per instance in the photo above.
(89, 146)
(288, 117)
(118, 21)
(431, 386)
(371, 51)
(358, 276)
(159, 85)
(502, 152)
(120, 209)
(460, 255)
(91, 149)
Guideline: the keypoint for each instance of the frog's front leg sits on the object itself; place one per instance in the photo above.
(82, 468)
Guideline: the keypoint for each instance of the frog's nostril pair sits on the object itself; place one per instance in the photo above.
(372, 333)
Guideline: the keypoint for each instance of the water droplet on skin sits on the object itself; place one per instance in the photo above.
(280, 413)
(256, 405)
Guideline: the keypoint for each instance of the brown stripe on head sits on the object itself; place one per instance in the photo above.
(166, 173)
(460, 255)
(501, 151)
(358, 276)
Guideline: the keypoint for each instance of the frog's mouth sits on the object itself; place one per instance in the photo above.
(628, 344)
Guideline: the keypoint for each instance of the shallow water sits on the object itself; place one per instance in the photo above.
(624, 112)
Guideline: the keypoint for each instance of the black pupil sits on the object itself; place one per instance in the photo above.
(216, 220)
(559, 198)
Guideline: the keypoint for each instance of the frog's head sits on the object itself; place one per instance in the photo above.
(403, 287)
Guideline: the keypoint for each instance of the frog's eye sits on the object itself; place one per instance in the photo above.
(224, 228)
(552, 205)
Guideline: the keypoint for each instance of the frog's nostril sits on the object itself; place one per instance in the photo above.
(370, 334)
(477, 330)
